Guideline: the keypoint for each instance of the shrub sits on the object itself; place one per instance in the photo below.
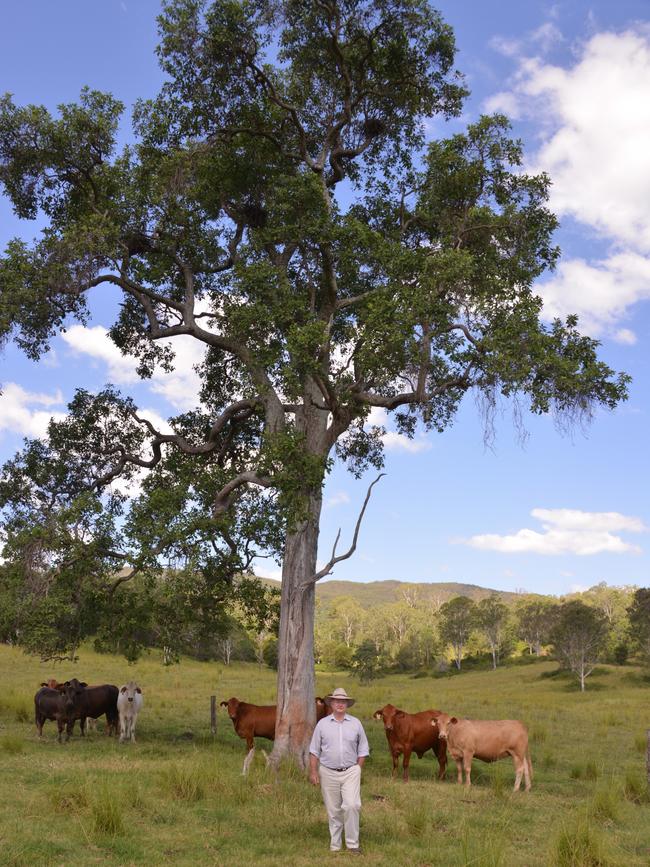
(635, 787)
(106, 812)
(12, 744)
(579, 845)
(184, 783)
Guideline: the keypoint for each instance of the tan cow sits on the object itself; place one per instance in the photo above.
(487, 740)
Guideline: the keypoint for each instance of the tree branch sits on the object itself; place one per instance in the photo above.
(327, 569)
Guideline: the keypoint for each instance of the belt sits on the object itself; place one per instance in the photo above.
(341, 769)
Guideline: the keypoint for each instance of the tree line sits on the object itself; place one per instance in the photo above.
(603, 624)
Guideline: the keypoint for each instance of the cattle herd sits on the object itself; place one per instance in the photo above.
(406, 733)
(73, 700)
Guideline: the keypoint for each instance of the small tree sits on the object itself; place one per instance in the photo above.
(535, 620)
(579, 638)
(639, 614)
(492, 617)
(367, 662)
(457, 620)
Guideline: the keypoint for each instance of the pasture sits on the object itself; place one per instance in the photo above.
(177, 796)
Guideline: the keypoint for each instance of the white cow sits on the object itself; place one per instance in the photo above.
(129, 703)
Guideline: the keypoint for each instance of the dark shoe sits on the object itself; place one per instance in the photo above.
(355, 851)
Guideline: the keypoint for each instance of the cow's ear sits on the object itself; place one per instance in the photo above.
(83, 684)
(223, 704)
(377, 715)
(453, 720)
(67, 683)
(123, 690)
(43, 684)
(137, 689)
(400, 713)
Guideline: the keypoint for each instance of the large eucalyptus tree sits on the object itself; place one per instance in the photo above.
(280, 207)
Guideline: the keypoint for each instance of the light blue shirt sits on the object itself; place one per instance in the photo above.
(339, 744)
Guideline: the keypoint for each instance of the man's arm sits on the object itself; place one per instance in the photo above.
(313, 769)
(363, 748)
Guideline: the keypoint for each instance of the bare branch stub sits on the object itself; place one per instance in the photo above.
(326, 570)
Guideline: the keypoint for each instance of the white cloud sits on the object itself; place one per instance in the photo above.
(392, 440)
(179, 388)
(565, 531)
(262, 571)
(601, 293)
(18, 412)
(340, 498)
(575, 519)
(594, 120)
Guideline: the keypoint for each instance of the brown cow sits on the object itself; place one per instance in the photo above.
(412, 732)
(258, 721)
(487, 740)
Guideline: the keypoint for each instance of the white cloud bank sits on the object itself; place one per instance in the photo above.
(394, 441)
(594, 122)
(21, 413)
(565, 531)
(179, 388)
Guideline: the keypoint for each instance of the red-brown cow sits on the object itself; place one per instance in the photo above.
(408, 733)
(487, 740)
(258, 721)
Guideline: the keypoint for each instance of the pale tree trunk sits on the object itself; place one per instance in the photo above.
(296, 716)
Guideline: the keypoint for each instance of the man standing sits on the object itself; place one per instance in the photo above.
(337, 752)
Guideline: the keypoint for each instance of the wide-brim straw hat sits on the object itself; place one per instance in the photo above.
(339, 694)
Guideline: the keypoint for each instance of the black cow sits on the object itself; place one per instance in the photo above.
(84, 701)
(50, 704)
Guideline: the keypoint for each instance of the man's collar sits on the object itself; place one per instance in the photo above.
(332, 717)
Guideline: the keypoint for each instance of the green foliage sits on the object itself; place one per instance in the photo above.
(367, 663)
(579, 636)
(226, 222)
(639, 615)
(457, 620)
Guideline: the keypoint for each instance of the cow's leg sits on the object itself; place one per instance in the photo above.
(69, 729)
(248, 760)
(82, 726)
(39, 725)
(395, 756)
(528, 770)
(467, 767)
(406, 761)
(519, 764)
(132, 732)
(441, 755)
(459, 770)
(60, 726)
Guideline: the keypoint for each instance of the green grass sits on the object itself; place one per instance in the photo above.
(177, 796)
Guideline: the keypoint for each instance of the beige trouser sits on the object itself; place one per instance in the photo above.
(342, 796)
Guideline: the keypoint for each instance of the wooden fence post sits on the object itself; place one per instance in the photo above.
(213, 714)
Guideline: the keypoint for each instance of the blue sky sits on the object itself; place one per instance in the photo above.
(553, 513)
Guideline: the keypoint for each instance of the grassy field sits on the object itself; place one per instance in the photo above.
(178, 797)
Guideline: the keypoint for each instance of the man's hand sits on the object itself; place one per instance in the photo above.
(314, 779)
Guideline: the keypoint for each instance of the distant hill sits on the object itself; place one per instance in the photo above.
(381, 592)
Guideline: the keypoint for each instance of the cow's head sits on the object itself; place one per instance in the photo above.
(322, 709)
(443, 721)
(232, 706)
(389, 713)
(73, 690)
(130, 690)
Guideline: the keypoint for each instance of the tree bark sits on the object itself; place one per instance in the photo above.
(296, 715)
